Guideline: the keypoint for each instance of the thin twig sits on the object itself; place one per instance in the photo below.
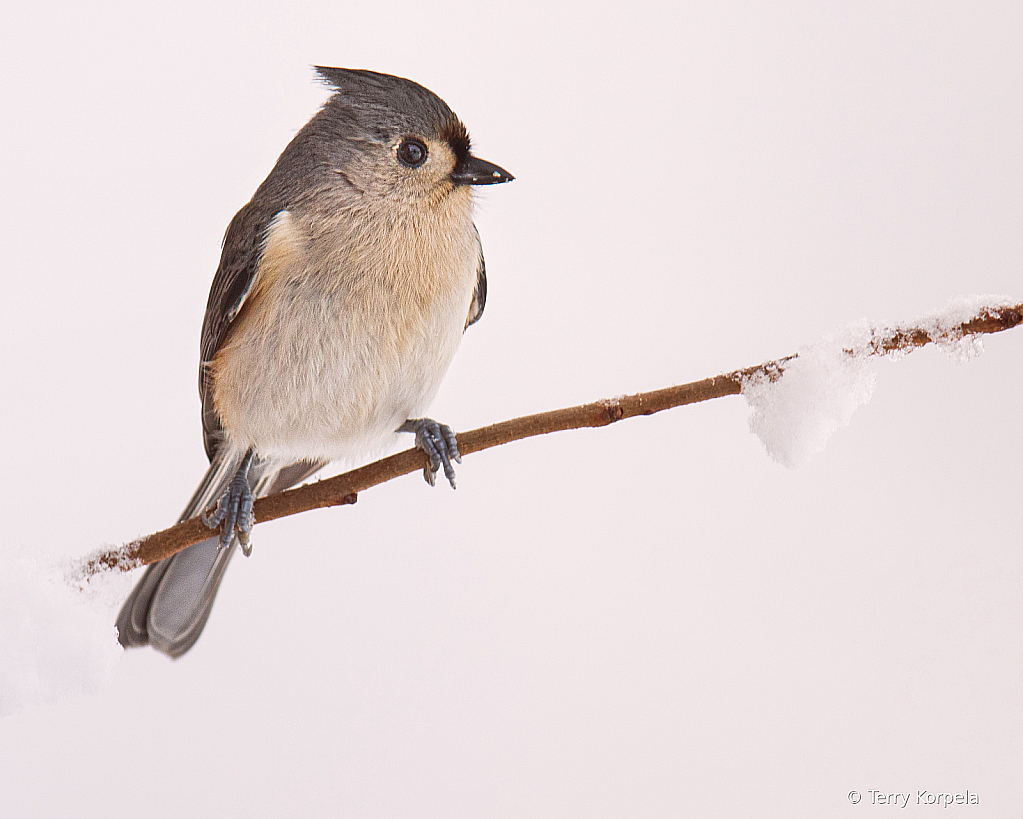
(343, 489)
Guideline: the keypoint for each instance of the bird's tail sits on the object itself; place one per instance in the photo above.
(170, 604)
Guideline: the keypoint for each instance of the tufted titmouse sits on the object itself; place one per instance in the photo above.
(343, 290)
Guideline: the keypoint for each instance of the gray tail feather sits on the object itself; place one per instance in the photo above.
(170, 604)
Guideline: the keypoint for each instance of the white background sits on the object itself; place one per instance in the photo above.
(652, 619)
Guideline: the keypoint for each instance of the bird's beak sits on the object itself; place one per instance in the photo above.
(475, 171)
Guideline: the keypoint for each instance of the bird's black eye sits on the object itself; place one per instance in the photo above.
(412, 153)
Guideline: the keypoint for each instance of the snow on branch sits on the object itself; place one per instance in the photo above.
(796, 403)
(825, 382)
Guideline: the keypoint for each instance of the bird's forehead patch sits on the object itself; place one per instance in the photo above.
(453, 132)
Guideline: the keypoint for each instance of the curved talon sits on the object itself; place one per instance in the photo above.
(246, 520)
(212, 521)
(439, 444)
(452, 444)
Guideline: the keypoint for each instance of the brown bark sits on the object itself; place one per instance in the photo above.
(343, 489)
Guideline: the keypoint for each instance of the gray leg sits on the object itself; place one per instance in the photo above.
(235, 508)
(439, 444)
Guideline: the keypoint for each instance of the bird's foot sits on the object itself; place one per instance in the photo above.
(439, 444)
(234, 510)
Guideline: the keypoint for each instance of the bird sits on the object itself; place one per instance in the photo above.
(343, 290)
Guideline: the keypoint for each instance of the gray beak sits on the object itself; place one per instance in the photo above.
(475, 171)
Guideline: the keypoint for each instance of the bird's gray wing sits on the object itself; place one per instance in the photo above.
(239, 262)
(479, 295)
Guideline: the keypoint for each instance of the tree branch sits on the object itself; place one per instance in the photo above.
(343, 489)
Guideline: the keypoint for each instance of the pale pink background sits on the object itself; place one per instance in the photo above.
(649, 620)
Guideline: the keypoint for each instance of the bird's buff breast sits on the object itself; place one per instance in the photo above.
(332, 351)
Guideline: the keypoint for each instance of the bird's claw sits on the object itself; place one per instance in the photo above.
(234, 511)
(439, 444)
